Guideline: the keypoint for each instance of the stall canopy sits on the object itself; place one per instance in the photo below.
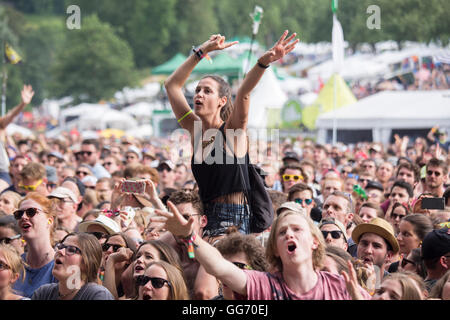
(171, 65)
(387, 110)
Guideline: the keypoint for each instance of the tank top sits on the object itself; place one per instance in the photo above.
(220, 175)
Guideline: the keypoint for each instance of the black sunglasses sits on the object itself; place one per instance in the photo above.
(116, 247)
(406, 261)
(157, 283)
(80, 153)
(98, 235)
(436, 173)
(241, 265)
(334, 234)
(30, 213)
(70, 250)
(8, 240)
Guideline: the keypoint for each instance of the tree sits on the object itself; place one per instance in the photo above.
(93, 64)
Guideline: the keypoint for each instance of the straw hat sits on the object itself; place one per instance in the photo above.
(379, 227)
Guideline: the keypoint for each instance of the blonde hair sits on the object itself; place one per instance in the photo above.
(13, 259)
(15, 197)
(271, 250)
(178, 287)
(412, 285)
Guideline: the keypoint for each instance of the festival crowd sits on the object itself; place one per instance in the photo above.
(106, 218)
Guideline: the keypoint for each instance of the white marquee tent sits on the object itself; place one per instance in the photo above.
(388, 110)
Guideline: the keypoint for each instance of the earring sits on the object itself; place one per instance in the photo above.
(49, 221)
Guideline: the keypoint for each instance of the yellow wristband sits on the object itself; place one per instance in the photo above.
(187, 113)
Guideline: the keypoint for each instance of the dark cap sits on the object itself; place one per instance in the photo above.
(436, 244)
(291, 155)
(374, 185)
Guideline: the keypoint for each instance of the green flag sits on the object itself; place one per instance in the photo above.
(334, 5)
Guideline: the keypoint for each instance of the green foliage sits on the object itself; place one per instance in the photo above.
(93, 63)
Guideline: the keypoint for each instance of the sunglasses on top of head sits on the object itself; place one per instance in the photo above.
(157, 283)
(31, 212)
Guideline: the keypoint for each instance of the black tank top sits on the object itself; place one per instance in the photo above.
(220, 176)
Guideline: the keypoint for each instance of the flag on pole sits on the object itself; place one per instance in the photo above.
(338, 45)
(11, 55)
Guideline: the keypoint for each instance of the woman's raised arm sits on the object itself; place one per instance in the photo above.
(174, 84)
(208, 256)
(239, 116)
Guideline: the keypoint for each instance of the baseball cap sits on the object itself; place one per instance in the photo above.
(51, 174)
(135, 150)
(291, 155)
(61, 193)
(291, 205)
(168, 163)
(436, 244)
(374, 185)
(103, 221)
(337, 223)
(56, 154)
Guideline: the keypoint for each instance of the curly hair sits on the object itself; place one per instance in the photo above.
(193, 197)
(248, 244)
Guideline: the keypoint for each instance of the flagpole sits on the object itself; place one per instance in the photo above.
(5, 76)
(256, 17)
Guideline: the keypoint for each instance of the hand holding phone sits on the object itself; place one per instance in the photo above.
(131, 186)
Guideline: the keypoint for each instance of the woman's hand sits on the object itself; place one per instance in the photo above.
(150, 190)
(174, 221)
(281, 48)
(216, 42)
(27, 94)
(123, 254)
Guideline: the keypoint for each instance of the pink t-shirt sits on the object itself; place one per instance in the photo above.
(329, 287)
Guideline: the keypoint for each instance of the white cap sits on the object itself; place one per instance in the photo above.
(103, 221)
(62, 193)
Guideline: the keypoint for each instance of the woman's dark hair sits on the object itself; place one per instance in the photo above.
(421, 223)
(128, 241)
(416, 257)
(224, 91)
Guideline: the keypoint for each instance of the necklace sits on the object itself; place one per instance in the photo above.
(207, 143)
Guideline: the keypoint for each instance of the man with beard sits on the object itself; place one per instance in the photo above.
(376, 245)
(437, 172)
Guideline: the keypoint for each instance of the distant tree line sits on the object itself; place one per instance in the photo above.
(118, 39)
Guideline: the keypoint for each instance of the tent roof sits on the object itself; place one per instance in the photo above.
(169, 66)
(400, 109)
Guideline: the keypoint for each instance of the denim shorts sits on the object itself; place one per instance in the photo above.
(221, 216)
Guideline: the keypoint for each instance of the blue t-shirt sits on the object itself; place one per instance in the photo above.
(34, 278)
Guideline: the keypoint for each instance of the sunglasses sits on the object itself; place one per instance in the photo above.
(116, 247)
(445, 224)
(242, 266)
(295, 177)
(8, 240)
(30, 213)
(300, 201)
(70, 250)
(4, 266)
(161, 169)
(80, 153)
(396, 216)
(334, 234)
(406, 261)
(98, 235)
(32, 187)
(436, 173)
(364, 180)
(157, 283)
